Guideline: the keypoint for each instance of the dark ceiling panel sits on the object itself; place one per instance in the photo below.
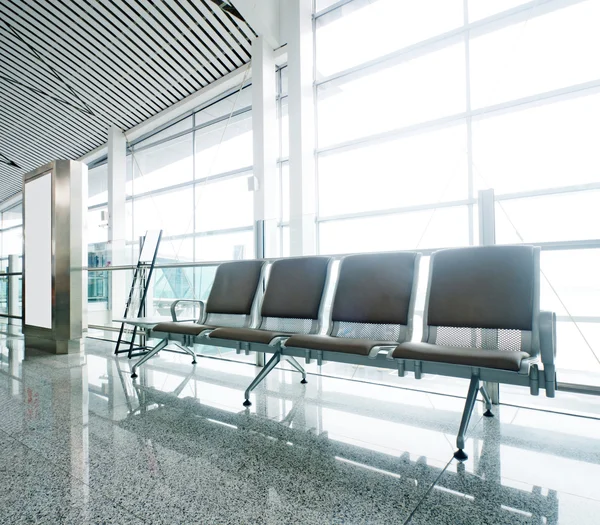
(71, 68)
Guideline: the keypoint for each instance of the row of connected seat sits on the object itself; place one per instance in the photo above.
(481, 318)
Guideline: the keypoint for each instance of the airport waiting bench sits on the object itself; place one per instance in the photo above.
(481, 320)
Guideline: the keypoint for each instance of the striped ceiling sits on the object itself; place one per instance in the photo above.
(71, 68)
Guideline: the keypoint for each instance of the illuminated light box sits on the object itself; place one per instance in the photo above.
(53, 251)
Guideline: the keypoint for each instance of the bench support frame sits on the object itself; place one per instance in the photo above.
(466, 417)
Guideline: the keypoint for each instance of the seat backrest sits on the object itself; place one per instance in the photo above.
(233, 293)
(484, 297)
(375, 296)
(294, 294)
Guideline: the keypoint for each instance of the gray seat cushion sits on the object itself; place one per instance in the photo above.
(247, 335)
(181, 328)
(336, 344)
(504, 360)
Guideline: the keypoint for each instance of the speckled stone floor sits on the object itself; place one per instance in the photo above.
(80, 443)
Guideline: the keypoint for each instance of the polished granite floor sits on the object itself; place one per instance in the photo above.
(80, 443)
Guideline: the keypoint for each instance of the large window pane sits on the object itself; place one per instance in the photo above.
(284, 129)
(483, 8)
(97, 228)
(223, 108)
(225, 247)
(543, 147)
(12, 216)
(285, 192)
(564, 217)
(425, 88)
(98, 185)
(225, 146)
(439, 228)
(571, 282)
(170, 212)
(12, 242)
(425, 168)
(162, 165)
(541, 54)
(361, 31)
(224, 204)
(570, 287)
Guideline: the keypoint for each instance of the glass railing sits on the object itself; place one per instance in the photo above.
(569, 286)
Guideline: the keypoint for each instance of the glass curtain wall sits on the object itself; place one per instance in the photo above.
(11, 234)
(431, 102)
(11, 243)
(283, 221)
(189, 180)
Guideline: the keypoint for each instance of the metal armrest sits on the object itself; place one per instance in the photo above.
(548, 350)
(175, 303)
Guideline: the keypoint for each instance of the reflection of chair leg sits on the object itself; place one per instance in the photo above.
(466, 417)
(297, 366)
(488, 402)
(150, 354)
(287, 420)
(123, 385)
(262, 374)
(183, 384)
(188, 350)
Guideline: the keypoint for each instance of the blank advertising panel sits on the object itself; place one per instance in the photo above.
(38, 251)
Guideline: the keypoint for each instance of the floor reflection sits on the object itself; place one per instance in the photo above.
(176, 446)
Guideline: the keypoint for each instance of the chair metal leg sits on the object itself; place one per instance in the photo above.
(188, 350)
(147, 356)
(466, 417)
(488, 402)
(297, 366)
(273, 362)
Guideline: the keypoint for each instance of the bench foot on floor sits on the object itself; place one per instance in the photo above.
(460, 455)
(488, 402)
(262, 374)
(304, 381)
(162, 344)
(466, 417)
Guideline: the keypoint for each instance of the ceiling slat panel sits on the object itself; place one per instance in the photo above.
(187, 39)
(69, 69)
(202, 37)
(77, 56)
(165, 55)
(52, 116)
(18, 119)
(45, 82)
(219, 26)
(131, 61)
(207, 31)
(184, 49)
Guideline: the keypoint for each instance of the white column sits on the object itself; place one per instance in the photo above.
(302, 127)
(487, 237)
(264, 127)
(117, 171)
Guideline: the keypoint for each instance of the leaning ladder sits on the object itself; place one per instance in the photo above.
(139, 289)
